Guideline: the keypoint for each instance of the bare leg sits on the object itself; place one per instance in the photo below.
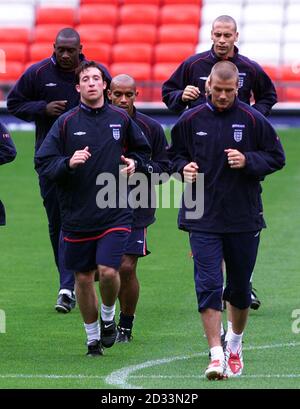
(212, 322)
(86, 296)
(130, 289)
(109, 284)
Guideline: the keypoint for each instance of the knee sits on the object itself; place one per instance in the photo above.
(84, 280)
(127, 270)
(107, 274)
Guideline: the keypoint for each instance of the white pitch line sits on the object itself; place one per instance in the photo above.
(119, 378)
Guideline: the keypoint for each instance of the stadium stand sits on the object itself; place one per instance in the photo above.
(112, 32)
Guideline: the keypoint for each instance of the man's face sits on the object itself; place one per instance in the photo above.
(91, 86)
(67, 52)
(223, 92)
(123, 94)
(224, 36)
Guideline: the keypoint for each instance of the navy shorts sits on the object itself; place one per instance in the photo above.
(83, 254)
(137, 244)
(239, 250)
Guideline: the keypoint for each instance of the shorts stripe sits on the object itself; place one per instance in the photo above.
(97, 237)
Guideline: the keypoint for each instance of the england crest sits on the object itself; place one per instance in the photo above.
(116, 133)
(238, 135)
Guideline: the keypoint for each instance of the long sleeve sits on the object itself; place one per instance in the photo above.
(23, 100)
(50, 160)
(137, 147)
(178, 152)
(270, 154)
(264, 92)
(172, 89)
(7, 148)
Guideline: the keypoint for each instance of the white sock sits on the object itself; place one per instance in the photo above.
(217, 353)
(229, 330)
(108, 313)
(235, 342)
(92, 331)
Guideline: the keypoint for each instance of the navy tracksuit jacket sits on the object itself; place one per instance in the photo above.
(232, 197)
(109, 132)
(40, 84)
(159, 163)
(195, 70)
(7, 154)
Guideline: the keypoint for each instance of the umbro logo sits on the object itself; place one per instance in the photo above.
(201, 133)
(140, 241)
(80, 133)
(203, 78)
(50, 84)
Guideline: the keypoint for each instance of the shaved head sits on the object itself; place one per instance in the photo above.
(66, 34)
(225, 70)
(123, 79)
(225, 20)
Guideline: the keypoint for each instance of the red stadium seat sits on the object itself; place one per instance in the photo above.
(141, 72)
(39, 51)
(197, 2)
(16, 35)
(131, 33)
(46, 32)
(180, 14)
(139, 14)
(98, 14)
(93, 33)
(13, 70)
(133, 52)
(115, 2)
(291, 94)
(98, 52)
(156, 2)
(181, 33)
(56, 15)
(161, 72)
(289, 72)
(272, 71)
(173, 52)
(15, 52)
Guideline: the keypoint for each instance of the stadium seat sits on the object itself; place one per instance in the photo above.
(115, 2)
(290, 53)
(132, 52)
(139, 14)
(161, 72)
(15, 52)
(273, 71)
(178, 33)
(46, 32)
(98, 14)
(98, 52)
(173, 52)
(131, 33)
(205, 33)
(55, 15)
(141, 72)
(290, 33)
(291, 94)
(263, 53)
(263, 13)
(203, 46)
(13, 70)
(180, 14)
(17, 15)
(93, 33)
(58, 3)
(39, 51)
(197, 2)
(14, 34)
(289, 72)
(155, 2)
(210, 11)
(252, 32)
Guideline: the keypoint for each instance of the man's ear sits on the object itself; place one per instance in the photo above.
(109, 94)
(77, 88)
(104, 84)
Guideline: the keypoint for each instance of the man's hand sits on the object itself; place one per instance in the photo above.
(190, 172)
(236, 159)
(190, 93)
(130, 166)
(79, 158)
(55, 108)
